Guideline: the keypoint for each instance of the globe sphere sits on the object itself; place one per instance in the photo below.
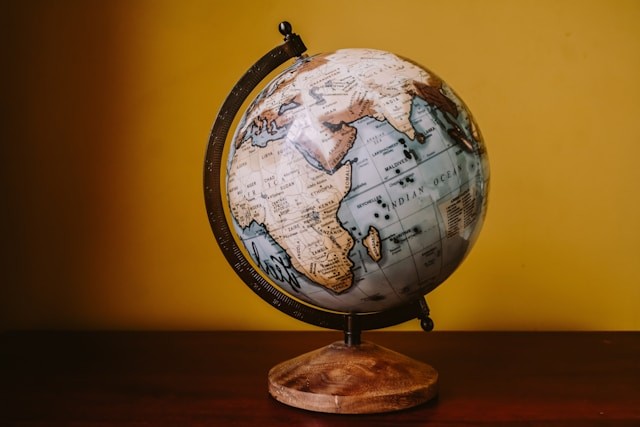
(357, 181)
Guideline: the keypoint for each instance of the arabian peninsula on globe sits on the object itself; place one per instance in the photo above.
(357, 181)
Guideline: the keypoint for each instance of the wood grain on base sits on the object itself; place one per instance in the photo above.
(360, 379)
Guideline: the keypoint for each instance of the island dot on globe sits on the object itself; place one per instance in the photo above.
(357, 181)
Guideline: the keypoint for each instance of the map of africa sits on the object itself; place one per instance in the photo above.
(357, 180)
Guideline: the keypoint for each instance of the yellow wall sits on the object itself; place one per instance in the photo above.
(107, 108)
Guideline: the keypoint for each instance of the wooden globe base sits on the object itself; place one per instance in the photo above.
(357, 379)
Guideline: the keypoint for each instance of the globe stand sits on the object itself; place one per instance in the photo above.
(353, 377)
(350, 377)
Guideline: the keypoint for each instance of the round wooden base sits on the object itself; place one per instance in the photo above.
(359, 379)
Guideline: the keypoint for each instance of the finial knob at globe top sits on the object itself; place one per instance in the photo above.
(285, 29)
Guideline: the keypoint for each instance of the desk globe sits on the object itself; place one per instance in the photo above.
(356, 183)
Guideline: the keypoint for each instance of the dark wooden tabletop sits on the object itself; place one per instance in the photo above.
(220, 378)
